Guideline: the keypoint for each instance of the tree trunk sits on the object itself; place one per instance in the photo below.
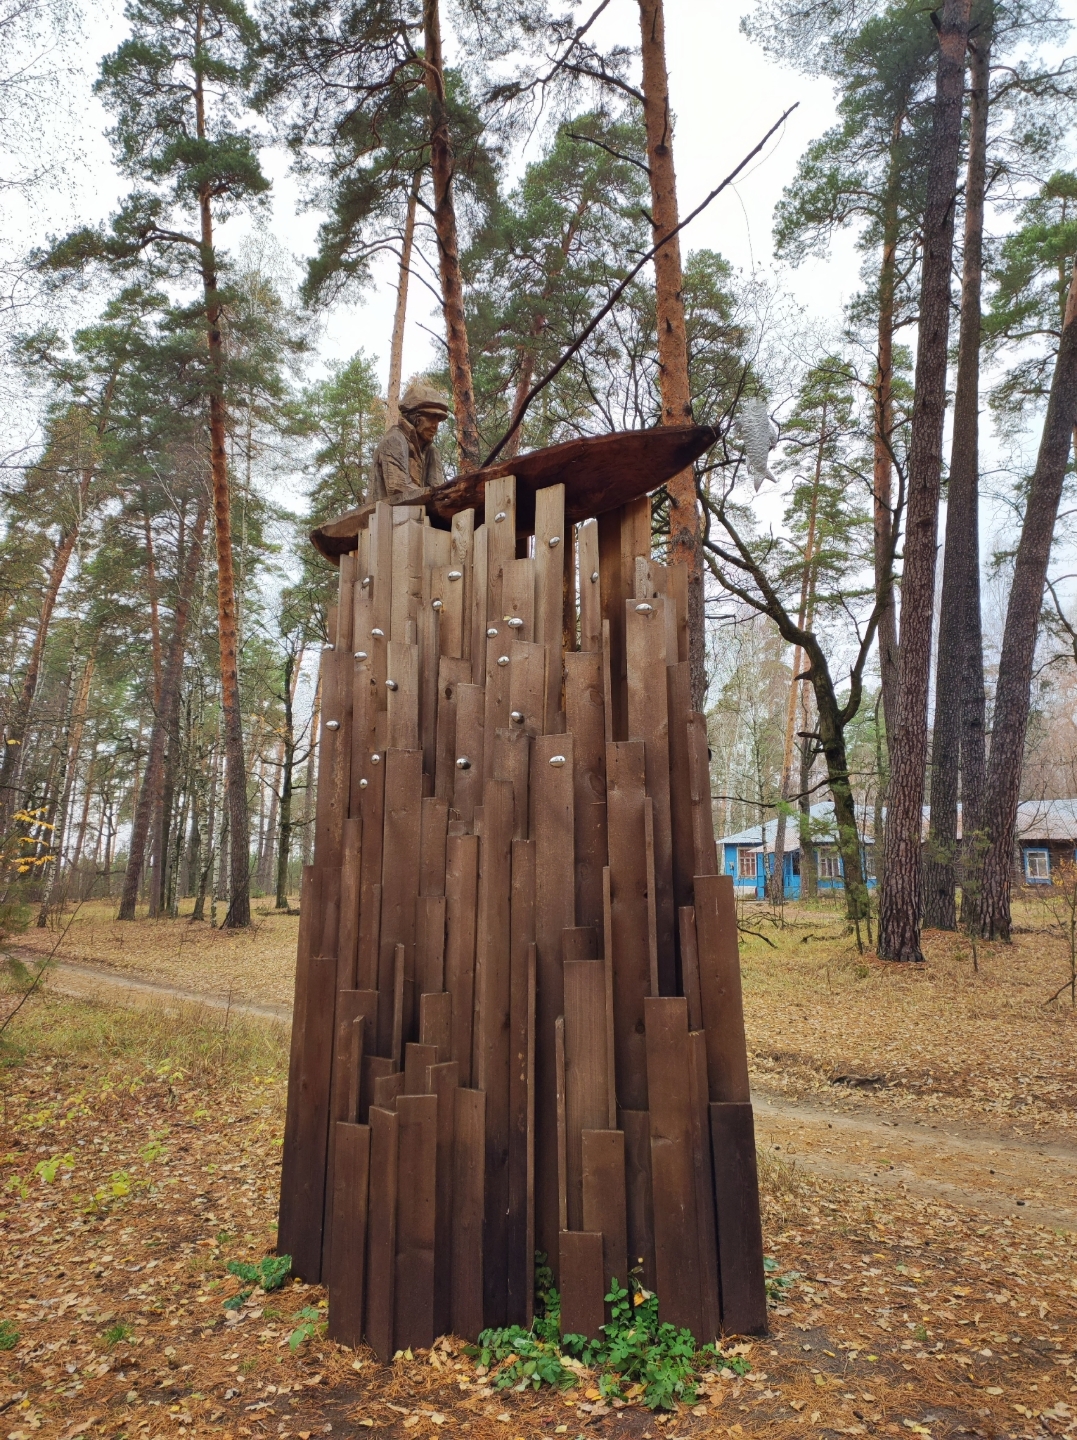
(149, 793)
(686, 544)
(284, 845)
(882, 487)
(151, 595)
(74, 744)
(899, 915)
(1003, 788)
(958, 732)
(809, 879)
(396, 348)
(442, 163)
(831, 730)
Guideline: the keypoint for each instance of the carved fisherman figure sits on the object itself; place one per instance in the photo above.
(406, 460)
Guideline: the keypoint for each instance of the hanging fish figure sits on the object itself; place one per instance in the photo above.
(759, 435)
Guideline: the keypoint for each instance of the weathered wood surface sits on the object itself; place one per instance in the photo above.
(582, 1283)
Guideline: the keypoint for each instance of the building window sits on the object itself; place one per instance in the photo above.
(746, 864)
(869, 862)
(829, 865)
(1037, 865)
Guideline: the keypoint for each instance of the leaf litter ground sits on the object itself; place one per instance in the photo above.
(141, 1155)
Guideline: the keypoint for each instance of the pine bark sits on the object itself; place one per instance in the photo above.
(1012, 696)
(396, 348)
(899, 914)
(150, 791)
(883, 470)
(442, 163)
(957, 740)
(685, 538)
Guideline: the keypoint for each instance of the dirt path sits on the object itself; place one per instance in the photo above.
(974, 1167)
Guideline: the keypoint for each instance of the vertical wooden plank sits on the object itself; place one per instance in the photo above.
(639, 1199)
(590, 594)
(399, 883)
(434, 827)
(623, 534)
(447, 593)
(348, 937)
(347, 1271)
(676, 1223)
(512, 763)
(719, 984)
(348, 1044)
(626, 801)
(407, 584)
(582, 1282)
(469, 762)
(491, 1066)
(607, 962)
(652, 910)
(570, 620)
(527, 682)
(461, 904)
(686, 918)
(355, 1072)
(375, 1068)
(586, 1100)
(469, 1155)
(551, 547)
(604, 1200)
(417, 1117)
(585, 718)
(562, 1126)
(417, 1060)
(461, 556)
(652, 581)
(402, 683)
(381, 1232)
(430, 944)
(451, 673)
(740, 1236)
(501, 540)
(442, 1082)
(710, 1308)
(479, 574)
(648, 720)
(435, 1023)
(553, 832)
(372, 813)
(436, 546)
(706, 850)
(499, 655)
(679, 704)
(381, 546)
(607, 683)
(520, 1269)
(334, 756)
(388, 1088)
(518, 598)
(364, 702)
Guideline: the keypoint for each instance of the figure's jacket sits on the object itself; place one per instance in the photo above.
(401, 466)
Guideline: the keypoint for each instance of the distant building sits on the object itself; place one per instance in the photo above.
(1046, 836)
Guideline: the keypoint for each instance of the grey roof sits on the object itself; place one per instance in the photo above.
(822, 823)
(1047, 820)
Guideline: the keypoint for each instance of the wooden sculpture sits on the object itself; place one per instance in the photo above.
(517, 1021)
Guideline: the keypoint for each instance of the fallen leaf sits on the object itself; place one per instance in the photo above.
(79, 1428)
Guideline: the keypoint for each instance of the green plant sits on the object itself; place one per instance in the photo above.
(240, 1298)
(920, 1333)
(270, 1272)
(46, 1170)
(9, 1336)
(777, 1285)
(117, 1187)
(152, 1150)
(115, 1333)
(312, 1324)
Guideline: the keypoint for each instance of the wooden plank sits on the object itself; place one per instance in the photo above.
(590, 594)
(585, 718)
(652, 582)
(582, 1283)
(551, 548)
(396, 1044)
(461, 904)
(479, 572)
(501, 541)
(520, 1266)
(491, 1064)
(706, 849)
(388, 1089)
(679, 705)
(553, 832)
(347, 1271)
(436, 545)
(740, 1236)
(604, 1206)
(469, 1155)
(334, 762)
(512, 763)
(350, 878)
(686, 918)
(416, 1203)
(417, 1060)
(381, 545)
(499, 656)
(447, 601)
(470, 719)
(372, 813)
(719, 984)
(527, 687)
(435, 1023)
(381, 1232)
(710, 1308)
(400, 870)
(562, 1125)
(676, 1222)
(607, 965)
(652, 912)
(407, 583)
(451, 673)
(626, 801)
(364, 702)
(623, 534)
(430, 943)
(518, 598)
(348, 1045)
(402, 683)
(461, 555)
(355, 1073)
(570, 620)
(375, 1068)
(607, 683)
(586, 1099)
(639, 1200)
(648, 720)
(442, 1081)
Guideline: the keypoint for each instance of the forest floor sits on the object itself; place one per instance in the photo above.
(918, 1149)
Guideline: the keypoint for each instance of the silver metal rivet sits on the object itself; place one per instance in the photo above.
(499, 517)
(391, 685)
(516, 717)
(594, 577)
(644, 609)
(492, 632)
(516, 622)
(360, 654)
(463, 763)
(378, 634)
(332, 724)
(555, 540)
(375, 759)
(363, 784)
(437, 604)
(367, 579)
(557, 759)
(502, 659)
(456, 574)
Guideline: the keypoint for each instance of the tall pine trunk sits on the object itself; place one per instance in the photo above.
(686, 541)
(899, 912)
(442, 162)
(396, 348)
(882, 466)
(957, 740)
(1012, 696)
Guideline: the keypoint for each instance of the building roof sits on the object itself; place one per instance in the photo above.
(822, 824)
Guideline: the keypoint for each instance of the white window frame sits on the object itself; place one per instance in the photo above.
(743, 857)
(1030, 873)
(828, 864)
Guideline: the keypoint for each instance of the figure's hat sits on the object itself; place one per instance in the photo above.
(421, 397)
